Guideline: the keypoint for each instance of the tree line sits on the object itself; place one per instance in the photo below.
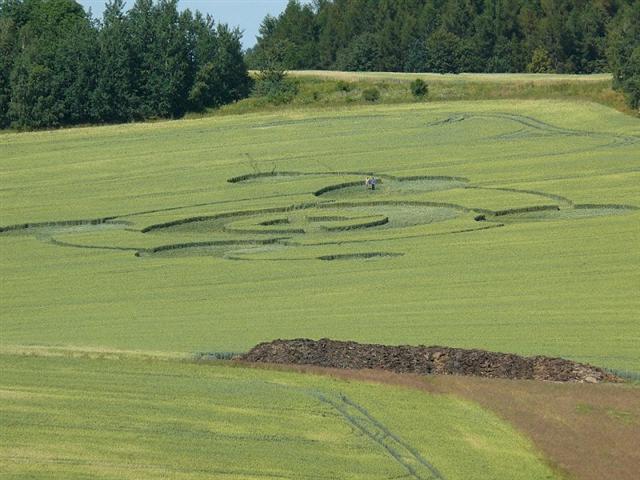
(59, 66)
(452, 36)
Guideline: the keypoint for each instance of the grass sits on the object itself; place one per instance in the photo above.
(330, 89)
(462, 77)
(585, 431)
(64, 417)
(562, 285)
(141, 256)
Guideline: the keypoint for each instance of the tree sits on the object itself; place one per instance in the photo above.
(272, 82)
(588, 27)
(113, 96)
(160, 62)
(388, 30)
(623, 51)
(234, 81)
(142, 41)
(362, 54)
(295, 31)
(8, 34)
(53, 71)
(444, 53)
(172, 69)
(77, 56)
(488, 35)
(498, 38)
(540, 62)
(204, 47)
(416, 57)
(223, 78)
(419, 88)
(297, 24)
(60, 67)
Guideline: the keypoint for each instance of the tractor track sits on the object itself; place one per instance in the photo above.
(538, 125)
(361, 420)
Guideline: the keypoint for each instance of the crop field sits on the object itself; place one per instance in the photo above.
(458, 77)
(511, 226)
(133, 418)
(218, 233)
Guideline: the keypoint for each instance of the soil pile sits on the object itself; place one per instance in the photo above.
(423, 360)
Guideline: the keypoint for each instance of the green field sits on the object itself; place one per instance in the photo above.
(505, 225)
(459, 77)
(133, 418)
(321, 90)
(556, 282)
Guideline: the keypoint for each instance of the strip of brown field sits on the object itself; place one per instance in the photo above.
(585, 431)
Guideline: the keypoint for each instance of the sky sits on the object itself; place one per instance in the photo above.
(246, 14)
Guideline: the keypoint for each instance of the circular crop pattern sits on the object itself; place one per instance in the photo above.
(339, 215)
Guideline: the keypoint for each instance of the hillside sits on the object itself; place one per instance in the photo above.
(555, 283)
(505, 218)
(314, 89)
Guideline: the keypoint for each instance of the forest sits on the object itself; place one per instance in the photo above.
(452, 36)
(59, 66)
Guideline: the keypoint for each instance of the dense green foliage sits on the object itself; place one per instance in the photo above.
(557, 283)
(419, 88)
(371, 94)
(272, 82)
(443, 35)
(624, 53)
(61, 67)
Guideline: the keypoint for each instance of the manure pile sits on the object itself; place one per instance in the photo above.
(434, 360)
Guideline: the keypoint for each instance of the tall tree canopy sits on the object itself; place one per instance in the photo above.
(564, 36)
(59, 66)
(624, 53)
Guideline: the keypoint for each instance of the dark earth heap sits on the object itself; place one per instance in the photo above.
(424, 360)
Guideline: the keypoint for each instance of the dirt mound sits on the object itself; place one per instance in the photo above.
(424, 360)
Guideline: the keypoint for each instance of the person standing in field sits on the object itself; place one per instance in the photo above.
(370, 182)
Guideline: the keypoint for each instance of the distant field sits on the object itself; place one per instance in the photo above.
(326, 90)
(465, 77)
(553, 269)
(129, 418)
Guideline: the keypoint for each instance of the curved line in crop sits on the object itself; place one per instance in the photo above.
(566, 201)
(359, 256)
